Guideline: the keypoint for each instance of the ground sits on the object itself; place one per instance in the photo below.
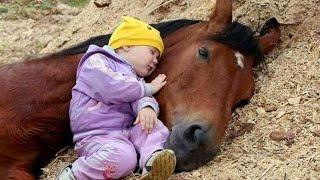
(286, 104)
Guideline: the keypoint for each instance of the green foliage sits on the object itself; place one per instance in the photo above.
(39, 45)
(2, 48)
(77, 3)
(3, 9)
(17, 9)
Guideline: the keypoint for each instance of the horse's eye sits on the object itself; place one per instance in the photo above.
(203, 53)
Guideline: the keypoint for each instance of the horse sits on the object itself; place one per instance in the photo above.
(209, 72)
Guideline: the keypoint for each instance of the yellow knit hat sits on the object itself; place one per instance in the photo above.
(135, 32)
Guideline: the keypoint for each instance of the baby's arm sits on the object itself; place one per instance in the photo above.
(98, 80)
(146, 109)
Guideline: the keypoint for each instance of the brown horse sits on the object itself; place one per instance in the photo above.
(209, 71)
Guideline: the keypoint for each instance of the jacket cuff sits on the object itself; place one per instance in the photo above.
(152, 105)
(149, 91)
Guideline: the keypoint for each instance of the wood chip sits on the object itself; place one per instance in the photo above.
(102, 3)
(294, 101)
(316, 132)
(280, 114)
(261, 110)
(196, 174)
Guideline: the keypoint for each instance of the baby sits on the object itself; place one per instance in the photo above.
(113, 115)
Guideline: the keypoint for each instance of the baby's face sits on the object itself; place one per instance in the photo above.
(143, 59)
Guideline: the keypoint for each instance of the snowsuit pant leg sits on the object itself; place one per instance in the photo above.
(105, 157)
(145, 143)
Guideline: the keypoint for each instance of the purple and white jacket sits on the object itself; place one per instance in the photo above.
(108, 94)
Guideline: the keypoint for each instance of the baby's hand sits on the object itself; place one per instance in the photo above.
(158, 82)
(147, 118)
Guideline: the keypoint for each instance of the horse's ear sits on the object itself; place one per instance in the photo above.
(221, 15)
(269, 36)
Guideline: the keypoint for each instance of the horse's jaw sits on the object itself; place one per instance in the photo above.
(193, 143)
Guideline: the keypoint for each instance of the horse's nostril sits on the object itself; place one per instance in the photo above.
(194, 133)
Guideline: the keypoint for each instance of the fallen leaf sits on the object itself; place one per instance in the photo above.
(271, 108)
(281, 134)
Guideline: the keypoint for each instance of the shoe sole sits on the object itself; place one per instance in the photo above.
(65, 174)
(162, 167)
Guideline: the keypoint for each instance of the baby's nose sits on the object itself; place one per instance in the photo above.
(155, 61)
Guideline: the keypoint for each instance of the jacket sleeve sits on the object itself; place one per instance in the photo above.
(97, 79)
(144, 102)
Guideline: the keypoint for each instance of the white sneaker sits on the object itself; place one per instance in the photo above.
(160, 165)
(66, 174)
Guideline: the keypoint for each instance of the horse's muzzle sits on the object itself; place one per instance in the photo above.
(193, 145)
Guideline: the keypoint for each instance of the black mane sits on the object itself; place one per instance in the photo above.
(236, 35)
(165, 29)
(240, 37)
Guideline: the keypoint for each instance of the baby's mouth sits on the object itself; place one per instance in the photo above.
(150, 68)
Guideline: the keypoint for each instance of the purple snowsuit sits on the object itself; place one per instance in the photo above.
(105, 100)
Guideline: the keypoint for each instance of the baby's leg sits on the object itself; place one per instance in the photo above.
(114, 156)
(146, 144)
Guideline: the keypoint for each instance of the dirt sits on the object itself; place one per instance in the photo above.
(287, 99)
(24, 36)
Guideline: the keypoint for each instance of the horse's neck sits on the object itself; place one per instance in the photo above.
(68, 63)
(60, 68)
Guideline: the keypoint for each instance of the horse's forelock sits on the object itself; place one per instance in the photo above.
(240, 37)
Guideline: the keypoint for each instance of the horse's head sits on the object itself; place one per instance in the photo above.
(209, 71)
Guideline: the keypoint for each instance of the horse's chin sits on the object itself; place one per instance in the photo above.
(193, 160)
(192, 144)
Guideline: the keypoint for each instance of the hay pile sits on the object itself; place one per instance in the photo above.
(285, 107)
